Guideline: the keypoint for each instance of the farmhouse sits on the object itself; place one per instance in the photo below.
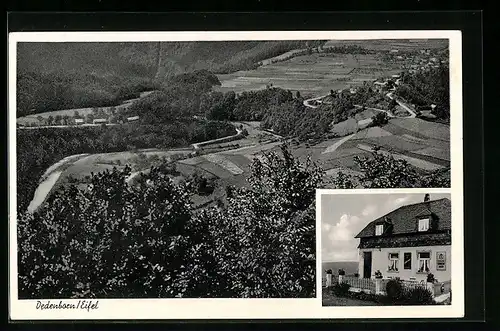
(409, 242)
(100, 121)
(79, 121)
(133, 118)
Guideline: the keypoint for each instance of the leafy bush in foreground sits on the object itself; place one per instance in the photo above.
(418, 296)
(384, 171)
(341, 289)
(120, 241)
(394, 290)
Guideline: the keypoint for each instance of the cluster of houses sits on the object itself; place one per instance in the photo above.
(423, 60)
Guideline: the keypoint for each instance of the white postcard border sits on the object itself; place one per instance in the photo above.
(177, 309)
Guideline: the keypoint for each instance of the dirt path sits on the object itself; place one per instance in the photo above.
(43, 190)
(337, 144)
(390, 95)
(307, 102)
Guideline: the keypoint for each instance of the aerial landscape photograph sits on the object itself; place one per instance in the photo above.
(189, 169)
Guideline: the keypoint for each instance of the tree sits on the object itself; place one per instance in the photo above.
(50, 120)
(76, 114)
(382, 170)
(392, 104)
(380, 119)
(58, 119)
(89, 118)
(40, 119)
(112, 240)
(264, 241)
(297, 95)
(66, 119)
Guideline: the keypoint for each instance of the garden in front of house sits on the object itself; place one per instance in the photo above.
(392, 292)
(330, 299)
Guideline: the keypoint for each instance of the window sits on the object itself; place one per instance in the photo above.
(407, 261)
(424, 259)
(379, 229)
(423, 224)
(393, 261)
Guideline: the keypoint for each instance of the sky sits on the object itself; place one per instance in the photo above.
(343, 216)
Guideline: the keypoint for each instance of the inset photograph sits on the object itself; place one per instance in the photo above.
(388, 249)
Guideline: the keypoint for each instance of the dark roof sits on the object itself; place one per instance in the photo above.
(404, 218)
(407, 240)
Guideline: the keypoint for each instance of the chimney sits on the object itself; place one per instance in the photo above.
(427, 197)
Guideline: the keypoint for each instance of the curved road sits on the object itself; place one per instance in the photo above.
(390, 95)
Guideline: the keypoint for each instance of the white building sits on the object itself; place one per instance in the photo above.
(100, 121)
(409, 242)
(133, 118)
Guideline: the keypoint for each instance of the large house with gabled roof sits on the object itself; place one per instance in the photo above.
(409, 242)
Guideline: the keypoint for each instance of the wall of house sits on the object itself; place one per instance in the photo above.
(380, 261)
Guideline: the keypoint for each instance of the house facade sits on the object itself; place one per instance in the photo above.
(409, 242)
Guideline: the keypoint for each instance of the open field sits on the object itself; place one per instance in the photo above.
(387, 44)
(315, 74)
(33, 119)
(337, 153)
(350, 267)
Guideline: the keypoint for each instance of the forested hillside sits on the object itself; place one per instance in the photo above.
(424, 88)
(53, 76)
(167, 121)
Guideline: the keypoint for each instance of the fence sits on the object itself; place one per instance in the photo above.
(365, 284)
(370, 285)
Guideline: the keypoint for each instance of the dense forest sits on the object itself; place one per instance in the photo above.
(54, 76)
(424, 88)
(279, 110)
(180, 97)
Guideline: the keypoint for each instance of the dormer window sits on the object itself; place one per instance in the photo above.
(379, 229)
(423, 224)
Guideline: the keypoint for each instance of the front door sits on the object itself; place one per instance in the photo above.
(367, 264)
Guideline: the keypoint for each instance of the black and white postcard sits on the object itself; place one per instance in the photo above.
(386, 249)
(200, 175)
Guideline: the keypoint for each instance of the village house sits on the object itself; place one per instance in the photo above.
(409, 242)
(133, 118)
(79, 121)
(100, 121)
